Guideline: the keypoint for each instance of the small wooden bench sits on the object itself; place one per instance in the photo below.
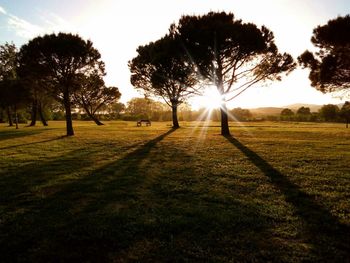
(139, 123)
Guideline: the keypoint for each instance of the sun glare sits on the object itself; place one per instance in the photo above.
(211, 99)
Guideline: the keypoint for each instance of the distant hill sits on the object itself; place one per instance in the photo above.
(296, 106)
(271, 111)
(266, 111)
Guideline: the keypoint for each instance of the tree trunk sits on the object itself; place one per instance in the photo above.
(33, 114)
(174, 115)
(9, 117)
(95, 119)
(347, 123)
(16, 118)
(41, 114)
(223, 109)
(67, 107)
(1, 116)
(224, 120)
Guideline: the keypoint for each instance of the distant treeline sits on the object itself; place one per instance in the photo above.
(146, 108)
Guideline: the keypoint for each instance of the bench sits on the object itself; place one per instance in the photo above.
(139, 123)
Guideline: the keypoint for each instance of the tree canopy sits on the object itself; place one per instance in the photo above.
(8, 61)
(329, 112)
(12, 92)
(162, 69)
(287, 112)
(58, 61)
(304, 111)
(345, 113)
(93, 95)
(330, 65)
(231, 55)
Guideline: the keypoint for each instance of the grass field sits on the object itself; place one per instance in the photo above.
(276, 192)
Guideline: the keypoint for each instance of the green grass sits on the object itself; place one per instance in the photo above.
(276, 192)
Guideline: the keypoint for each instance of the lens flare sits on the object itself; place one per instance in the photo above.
(212, 99)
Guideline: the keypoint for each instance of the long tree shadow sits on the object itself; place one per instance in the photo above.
(32, 143)
(73, 219)
(118, 178)
(12, 134)
(147, 206)
(330, 238)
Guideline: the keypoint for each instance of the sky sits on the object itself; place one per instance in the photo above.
(118, 27)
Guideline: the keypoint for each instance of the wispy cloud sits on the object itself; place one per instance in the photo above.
(49, 23)
(2, 10)
(22, 27)
(54, 23)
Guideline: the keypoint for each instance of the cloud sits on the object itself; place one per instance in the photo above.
(55, 23)
(23, 28)
(50, 22)
(2, 10)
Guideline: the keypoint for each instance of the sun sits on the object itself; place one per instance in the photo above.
(211, 99)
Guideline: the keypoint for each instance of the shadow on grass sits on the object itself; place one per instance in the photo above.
(5, 135)
(22, 181)
(69, 221)
(330, 238)
(33, 143)
(148, 206)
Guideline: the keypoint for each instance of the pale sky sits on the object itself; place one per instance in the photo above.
(118, 27)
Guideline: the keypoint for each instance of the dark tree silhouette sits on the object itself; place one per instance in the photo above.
(287, 114)
(304, 111)
(40, 99)
(16, 96)
(329, 112)
(303, 114)
(58, 61)
(5, 99)
(161, 68)
(93, 95)
(330, 65)
(231, 54)
(345, 113)
(8, 65)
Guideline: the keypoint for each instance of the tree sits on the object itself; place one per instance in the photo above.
(59, 61)
(16, 96)
(304, 113)
(330, 65)
(4, 100)
(8, 65)
(1, 113)
(93, 95)
(345, 113)
(8, 69)
(240, 114)
(40, 99)
(231, 55)
(161, 69)
(8, 61)
(287, 114)
(115, 109)
(329, 112)
(144, 108)
(140, 107)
